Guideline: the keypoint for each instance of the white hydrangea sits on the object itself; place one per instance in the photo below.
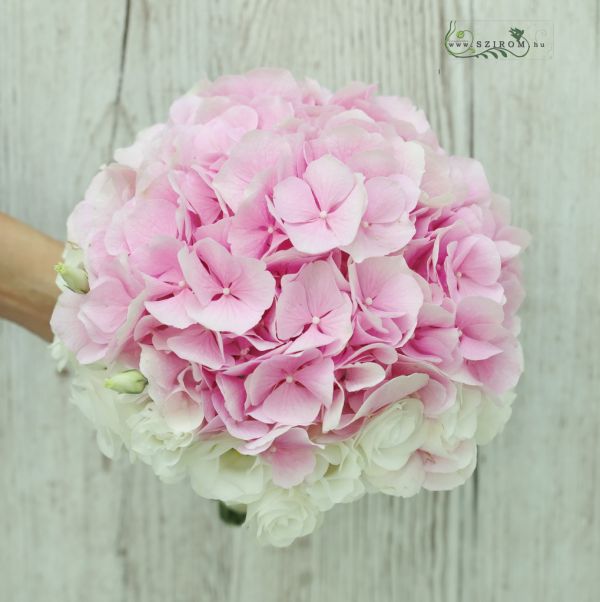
(282, 515)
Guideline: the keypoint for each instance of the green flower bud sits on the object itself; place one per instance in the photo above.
(76, 279)
(129, 381)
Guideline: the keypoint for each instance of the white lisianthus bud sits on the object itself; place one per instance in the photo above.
(75, 278)
(129, 381)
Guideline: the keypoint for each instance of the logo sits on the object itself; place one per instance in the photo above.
(499, 39)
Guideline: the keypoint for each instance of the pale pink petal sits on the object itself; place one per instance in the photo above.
(330, 180)
(291, 313)
(477, 257)
(171, 311)
(250, 166)
(473, 349)
(317, 377)
(377, 240)
(199, 345)
(293, 202)
(204, 286)
(225, 314)
(161, 370)
(313, 238)
(252, 229)
(147, 219)
(394, 390)
(337, 322)
(321, 290)
(363, 376)
(292, 458)
(223, 267)
(345, 220)
(71, 331)
(159, 259)
(288, 404)
(254, 285)
(181, 412)
(310, 339)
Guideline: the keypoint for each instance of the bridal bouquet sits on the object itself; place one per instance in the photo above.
(292, 297)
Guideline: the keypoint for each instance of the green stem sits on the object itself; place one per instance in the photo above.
(230, 516)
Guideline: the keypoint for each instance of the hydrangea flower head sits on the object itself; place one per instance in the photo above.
(292, 297)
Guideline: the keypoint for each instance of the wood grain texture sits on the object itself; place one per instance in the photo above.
(79, 77)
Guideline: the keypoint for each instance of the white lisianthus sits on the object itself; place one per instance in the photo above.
(107, 410)
(459, 422)
(156, 444)
(449, 452)
(387, 443)
(493, 415)
(336, 478)
(448, 462)
(220, 472)
(282, 515)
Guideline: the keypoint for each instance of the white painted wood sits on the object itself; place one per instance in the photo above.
(79, 77)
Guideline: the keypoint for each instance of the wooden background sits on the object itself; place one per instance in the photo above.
(78, 77)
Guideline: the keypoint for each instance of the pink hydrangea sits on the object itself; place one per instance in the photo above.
(284, 265)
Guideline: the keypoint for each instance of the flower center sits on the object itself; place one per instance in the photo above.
(226, 291)
(368, 301)
(323, 214)
(289, 379)
(316, 319)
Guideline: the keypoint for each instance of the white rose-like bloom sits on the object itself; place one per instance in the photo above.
(156, 444)
(450, 442)
(282, 515)
(219, 472)
(387, 443)
(107, 410)
(493, 415)
(336, 478)
(452, 461)
(459, 422)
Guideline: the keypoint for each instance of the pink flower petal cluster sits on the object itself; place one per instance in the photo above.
(275, 255)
